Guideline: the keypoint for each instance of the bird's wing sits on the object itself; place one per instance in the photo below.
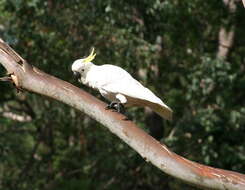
(136, 93)
(162, 110)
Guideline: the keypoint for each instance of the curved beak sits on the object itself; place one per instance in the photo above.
(77, 75)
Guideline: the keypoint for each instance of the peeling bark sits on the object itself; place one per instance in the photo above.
(32, 79)
(226, 36)
(226, 39)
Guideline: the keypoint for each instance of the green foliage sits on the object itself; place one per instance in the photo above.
(173, 43)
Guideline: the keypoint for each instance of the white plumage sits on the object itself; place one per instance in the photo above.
(116, 84)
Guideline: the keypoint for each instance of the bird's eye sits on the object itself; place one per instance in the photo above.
(82, 70)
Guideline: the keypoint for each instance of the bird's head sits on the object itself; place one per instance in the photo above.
(81, 67)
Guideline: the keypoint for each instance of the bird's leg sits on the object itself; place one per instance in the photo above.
(116, 105)
(111, 105)
(119, 107)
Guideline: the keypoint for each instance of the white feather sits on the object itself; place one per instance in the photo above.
(114, 83)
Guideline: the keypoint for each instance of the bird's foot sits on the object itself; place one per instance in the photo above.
(111, 105)
(117, 106)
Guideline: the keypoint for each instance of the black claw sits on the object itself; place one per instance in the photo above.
(111, 105)
(120, 108)
(117, 106)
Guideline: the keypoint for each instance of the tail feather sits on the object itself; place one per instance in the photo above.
(162, 110)
(158, 106)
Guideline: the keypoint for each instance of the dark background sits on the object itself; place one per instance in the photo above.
(173, 47)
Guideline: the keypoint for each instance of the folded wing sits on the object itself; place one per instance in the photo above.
(137, 94)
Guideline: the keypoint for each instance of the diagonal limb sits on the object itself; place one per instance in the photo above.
(151, 150)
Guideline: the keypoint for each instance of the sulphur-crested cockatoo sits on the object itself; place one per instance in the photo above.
(118, 86)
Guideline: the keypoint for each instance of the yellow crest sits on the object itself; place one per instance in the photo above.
(90, 57)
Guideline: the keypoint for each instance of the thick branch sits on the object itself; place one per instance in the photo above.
(32, 79)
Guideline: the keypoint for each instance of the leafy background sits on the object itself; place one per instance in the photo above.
(170, 46)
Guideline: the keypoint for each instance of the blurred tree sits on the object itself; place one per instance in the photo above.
(172, 46)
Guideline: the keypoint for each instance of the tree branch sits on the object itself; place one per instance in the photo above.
(32, 79)
(226, 36)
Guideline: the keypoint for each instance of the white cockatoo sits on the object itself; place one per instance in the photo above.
(117, 86)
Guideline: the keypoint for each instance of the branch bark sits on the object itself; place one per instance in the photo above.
(226, 36)
(32, 79)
